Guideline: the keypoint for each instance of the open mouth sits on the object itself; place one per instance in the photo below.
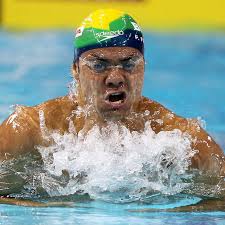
(116, 97)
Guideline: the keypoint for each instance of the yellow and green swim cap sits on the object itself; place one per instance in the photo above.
(107, 28)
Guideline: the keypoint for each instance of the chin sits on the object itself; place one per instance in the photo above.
(114, 114)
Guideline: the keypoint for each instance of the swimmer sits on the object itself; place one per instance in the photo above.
(108, 68)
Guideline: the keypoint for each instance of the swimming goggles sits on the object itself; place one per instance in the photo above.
(102, 65)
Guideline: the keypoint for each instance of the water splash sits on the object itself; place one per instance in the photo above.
(114, 164)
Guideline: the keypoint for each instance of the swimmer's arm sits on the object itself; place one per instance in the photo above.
(209, 157)
(18, 134)
(210, 205)
(29, 203)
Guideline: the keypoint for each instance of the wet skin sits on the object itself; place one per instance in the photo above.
(210, 205)
(108, 93)
(96, 85)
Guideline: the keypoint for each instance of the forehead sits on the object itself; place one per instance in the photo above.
(112, 53)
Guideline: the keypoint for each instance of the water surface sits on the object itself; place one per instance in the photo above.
(185, 72)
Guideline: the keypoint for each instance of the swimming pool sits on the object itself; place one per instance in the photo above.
(184, 71)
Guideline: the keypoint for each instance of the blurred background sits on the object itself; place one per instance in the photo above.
(151, 14)
(184, 52)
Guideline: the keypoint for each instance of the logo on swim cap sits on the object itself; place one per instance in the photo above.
(79, 32)
(107, 28)
(136, 27)
(104, 35)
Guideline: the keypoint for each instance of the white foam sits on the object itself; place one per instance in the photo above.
(115, 164)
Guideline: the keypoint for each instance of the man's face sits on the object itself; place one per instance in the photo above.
(110, 79)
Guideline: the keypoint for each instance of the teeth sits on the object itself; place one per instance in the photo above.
(116, 97)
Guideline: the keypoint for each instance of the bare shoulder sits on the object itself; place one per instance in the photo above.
(63, 104)
(57, 109)
(60, 102)
(21, 131)
(210, 156)
(161, 117)
(155, 109)
(56, 112)
(18, 131)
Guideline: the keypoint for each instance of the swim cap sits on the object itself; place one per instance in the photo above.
(107, 28)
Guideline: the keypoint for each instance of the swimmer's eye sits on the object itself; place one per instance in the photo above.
(98, 66)
(128, 65)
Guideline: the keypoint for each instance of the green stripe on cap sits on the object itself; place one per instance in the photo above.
(104, 27)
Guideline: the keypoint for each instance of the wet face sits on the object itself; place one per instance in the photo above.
(110, 79)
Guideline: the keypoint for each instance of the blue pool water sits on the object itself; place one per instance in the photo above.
(185, 72)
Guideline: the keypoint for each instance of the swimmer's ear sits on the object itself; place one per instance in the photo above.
(75, 71)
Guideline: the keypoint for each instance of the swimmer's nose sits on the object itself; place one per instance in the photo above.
(115, 80)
